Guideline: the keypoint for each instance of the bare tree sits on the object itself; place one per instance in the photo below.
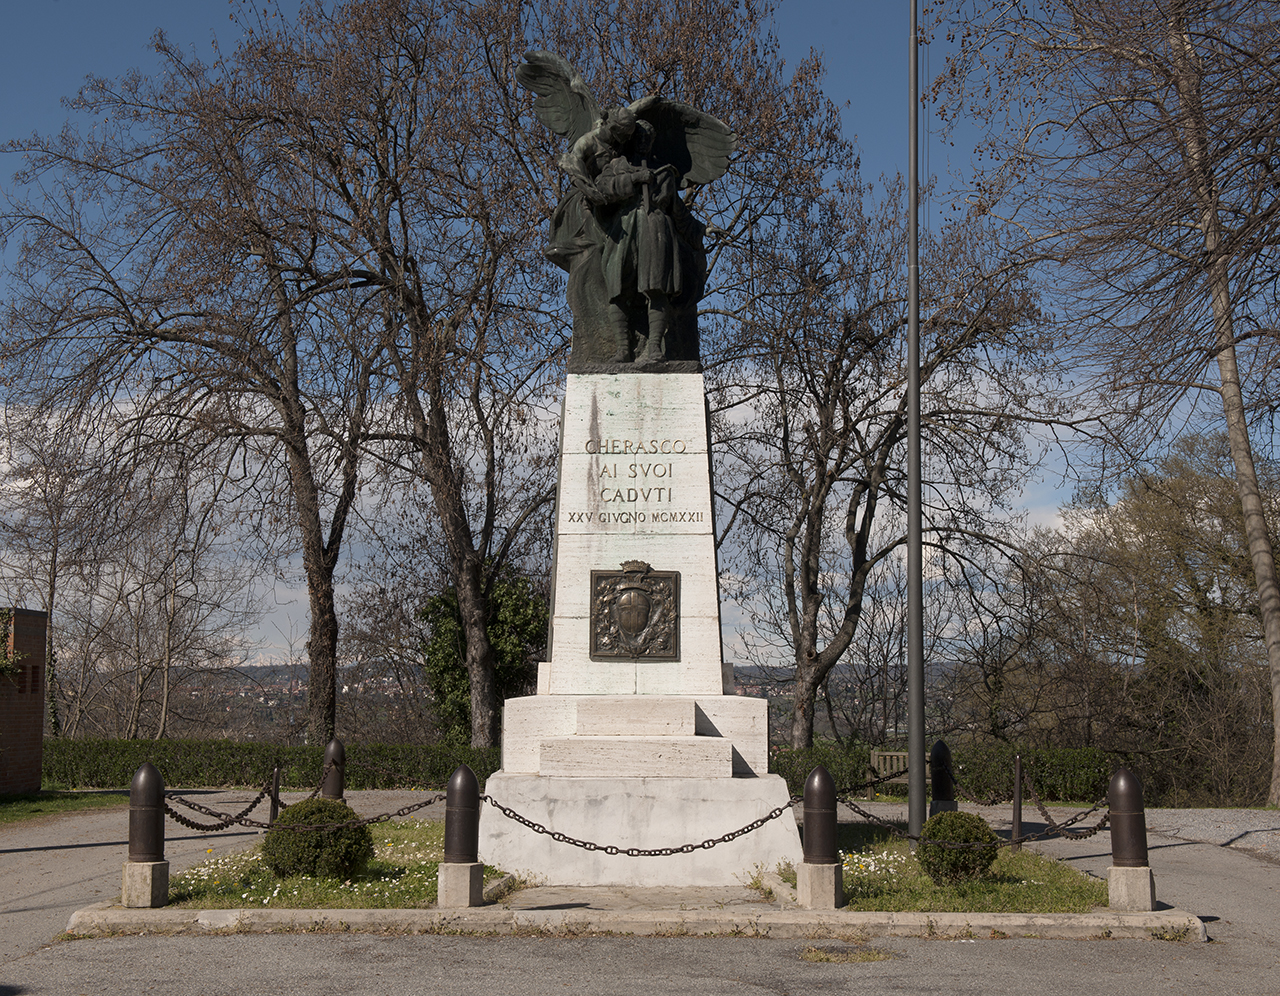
(813, 418)
(162, 273)
(1134, 628)
(56, 489)
(138, 568)
(1135, 143)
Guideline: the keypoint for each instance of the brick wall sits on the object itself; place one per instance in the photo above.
(22, 706)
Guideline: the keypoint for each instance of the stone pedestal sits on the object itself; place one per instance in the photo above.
(645, 813)
(1132, 890)
(820, 887)
(635, 738)
(144, 884)
(460, 884)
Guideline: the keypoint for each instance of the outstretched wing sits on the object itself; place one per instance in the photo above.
(563, 104)
(692, 141)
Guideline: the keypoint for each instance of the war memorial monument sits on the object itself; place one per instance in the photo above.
(635, 737)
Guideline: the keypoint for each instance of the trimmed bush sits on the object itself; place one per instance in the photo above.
(333, 853)
(955, 864)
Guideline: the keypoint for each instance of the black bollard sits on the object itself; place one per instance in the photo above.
(275, 795)
(820, 878)
(146, 814)
(1128, 820)
(820, 818)
(462, 817)
(941, 780)
(335, 767)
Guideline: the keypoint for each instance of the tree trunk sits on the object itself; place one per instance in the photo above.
(486, 726)
(317, 562)
(806, 689)
(50, 658)
(1257, 534)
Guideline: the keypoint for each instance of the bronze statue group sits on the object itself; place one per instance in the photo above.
(635, 254)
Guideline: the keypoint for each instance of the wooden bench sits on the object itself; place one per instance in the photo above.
(890, 762)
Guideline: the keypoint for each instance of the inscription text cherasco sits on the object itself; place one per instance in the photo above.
(625, 447)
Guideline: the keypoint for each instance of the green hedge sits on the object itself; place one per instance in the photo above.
(846, 764)
(213, 763)
(1078, 774)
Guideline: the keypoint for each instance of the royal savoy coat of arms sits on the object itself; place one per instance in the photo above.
(635, 613)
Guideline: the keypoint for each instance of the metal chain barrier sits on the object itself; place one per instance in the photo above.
(995, 800)
(1061, 828)
(1051, 829)
(226, 819)
(636, 852)
(324, 772)
(876, 782)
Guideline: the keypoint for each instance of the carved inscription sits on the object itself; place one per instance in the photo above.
(635, 613)
(654, 484)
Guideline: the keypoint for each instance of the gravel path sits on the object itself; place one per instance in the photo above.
(1256, 830)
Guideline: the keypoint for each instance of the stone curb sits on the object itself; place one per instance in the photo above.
(1169, 924)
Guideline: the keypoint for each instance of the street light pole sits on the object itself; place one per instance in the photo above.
(915, 549)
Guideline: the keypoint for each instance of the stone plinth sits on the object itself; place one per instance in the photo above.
(637, 812)
(1132, 890)
(144, 884)
(637, 757)
(460, 884)
(635, 485)
(739, 723)
(820, 887)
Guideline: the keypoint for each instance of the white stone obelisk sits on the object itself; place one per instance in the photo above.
(635, 738)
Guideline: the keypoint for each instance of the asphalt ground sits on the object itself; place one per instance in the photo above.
(1218, 865)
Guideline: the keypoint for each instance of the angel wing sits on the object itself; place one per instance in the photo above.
(694, 142)
(563, 104)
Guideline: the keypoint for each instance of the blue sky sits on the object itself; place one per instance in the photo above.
(49, 46)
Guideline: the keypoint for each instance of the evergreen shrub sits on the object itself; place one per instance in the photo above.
(331, 853)
(955, 864)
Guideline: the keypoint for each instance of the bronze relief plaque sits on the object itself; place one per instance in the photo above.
(635, 614)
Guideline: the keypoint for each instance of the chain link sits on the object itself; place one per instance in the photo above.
(636, 852)
(226, 819)
(1061, 828)
(1051, 829)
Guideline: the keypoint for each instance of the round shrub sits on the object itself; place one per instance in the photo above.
(336, 853)
(954, 864)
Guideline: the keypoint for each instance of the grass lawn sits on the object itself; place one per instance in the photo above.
(402, 875)
(880, 873)
(14, 808)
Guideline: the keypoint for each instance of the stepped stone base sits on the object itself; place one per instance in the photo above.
(571, 734)
(637, 757)
(637, 812)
